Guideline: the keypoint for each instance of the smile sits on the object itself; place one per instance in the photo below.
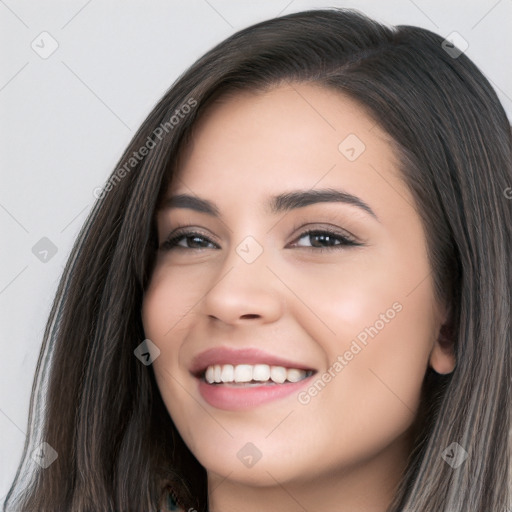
(237, 379)
(248, 374)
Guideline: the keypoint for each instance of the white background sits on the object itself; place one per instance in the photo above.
(66, 119)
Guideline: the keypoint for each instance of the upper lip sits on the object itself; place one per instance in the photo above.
(224, 355)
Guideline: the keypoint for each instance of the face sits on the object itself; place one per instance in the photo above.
(294, 252)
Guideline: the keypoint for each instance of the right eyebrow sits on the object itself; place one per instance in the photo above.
(192, 203)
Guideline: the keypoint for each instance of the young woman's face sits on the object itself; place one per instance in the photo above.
(297, 252)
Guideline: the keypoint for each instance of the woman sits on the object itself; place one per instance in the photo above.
(293, 292)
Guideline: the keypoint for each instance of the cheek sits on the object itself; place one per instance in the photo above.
(339, 301)
(167, 313)
(170, 302)
(376, 323)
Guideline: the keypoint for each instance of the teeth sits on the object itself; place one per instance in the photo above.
(243, 373)
(227, 373)
(217, 372)
(278, 374)
(294, 375)
(261, 372)
(209, 376)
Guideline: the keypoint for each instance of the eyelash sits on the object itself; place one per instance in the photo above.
(345, 241)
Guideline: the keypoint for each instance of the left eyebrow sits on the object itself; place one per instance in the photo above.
(277, 204)
(300, 198)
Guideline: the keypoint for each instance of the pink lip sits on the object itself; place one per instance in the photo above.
(222, 355)
(230, 397)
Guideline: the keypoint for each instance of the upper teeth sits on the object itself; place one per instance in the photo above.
(249, 372)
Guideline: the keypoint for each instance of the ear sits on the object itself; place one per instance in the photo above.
(442, 357)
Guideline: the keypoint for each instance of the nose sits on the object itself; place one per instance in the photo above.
(244, 292)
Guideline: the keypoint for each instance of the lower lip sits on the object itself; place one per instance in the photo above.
(232, 398)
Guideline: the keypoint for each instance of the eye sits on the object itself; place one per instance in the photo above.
(186, 240)
(322, 239)
(319, 240)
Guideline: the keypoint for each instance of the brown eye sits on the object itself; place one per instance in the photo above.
(326, 239)
(192, 241)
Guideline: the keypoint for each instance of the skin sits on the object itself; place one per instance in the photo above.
(345, 449)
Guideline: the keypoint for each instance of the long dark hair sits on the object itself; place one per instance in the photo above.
(100, 408)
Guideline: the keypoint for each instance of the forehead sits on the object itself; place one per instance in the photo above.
(293, 136)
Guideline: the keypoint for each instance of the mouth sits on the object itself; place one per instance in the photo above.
(250, 375)
(236, 379)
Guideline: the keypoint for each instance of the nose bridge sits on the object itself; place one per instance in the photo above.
(245, 286)
(250, 250)
(250, 258)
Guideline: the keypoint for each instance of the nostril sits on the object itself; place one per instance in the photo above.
(250, 316)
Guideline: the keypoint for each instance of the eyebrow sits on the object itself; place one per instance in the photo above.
(277, 204)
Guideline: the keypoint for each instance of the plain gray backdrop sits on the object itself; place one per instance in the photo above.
(77, 80)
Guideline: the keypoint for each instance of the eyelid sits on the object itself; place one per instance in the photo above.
(183, 232)
(304, 226)
(311, 229)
